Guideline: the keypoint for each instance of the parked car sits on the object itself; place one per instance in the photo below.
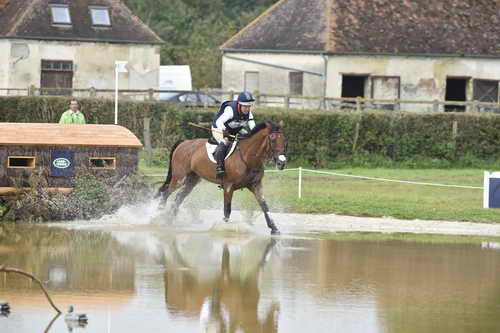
(190, 98)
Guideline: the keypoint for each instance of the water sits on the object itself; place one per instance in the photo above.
(150, 278)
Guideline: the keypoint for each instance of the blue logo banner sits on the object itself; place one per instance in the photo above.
(62, 163)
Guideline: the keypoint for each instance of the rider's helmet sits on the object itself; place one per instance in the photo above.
(245, 98)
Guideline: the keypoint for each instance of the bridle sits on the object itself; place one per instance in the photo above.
(271, 139)
(270, 152)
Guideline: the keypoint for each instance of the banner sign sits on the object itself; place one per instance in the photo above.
(62, 163)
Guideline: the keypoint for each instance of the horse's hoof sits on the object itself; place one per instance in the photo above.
(275, 232)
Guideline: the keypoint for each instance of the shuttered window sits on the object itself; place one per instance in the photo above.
(56, 75)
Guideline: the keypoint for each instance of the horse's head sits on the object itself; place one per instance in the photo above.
(277, 145)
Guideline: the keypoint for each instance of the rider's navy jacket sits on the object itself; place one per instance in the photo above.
(236, 122)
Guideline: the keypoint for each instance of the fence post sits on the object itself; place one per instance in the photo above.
(435, 106)
(151, 94)
(300, 182)
(397, 105)
(147, 137)
(356, 136)
(31, 90)
(358, 103)
(475, 106)
(454, 130)
(287, 102)
(257, 98)
(92, 92)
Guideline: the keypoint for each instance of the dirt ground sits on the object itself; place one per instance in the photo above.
(337, 223)
(293, 223)
(296, 223)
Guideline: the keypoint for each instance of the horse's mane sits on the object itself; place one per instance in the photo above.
(261, 126)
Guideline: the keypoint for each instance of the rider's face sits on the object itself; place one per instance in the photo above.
(245, 109)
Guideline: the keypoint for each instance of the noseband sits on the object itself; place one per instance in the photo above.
(270, 140)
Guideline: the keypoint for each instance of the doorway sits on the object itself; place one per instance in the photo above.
(456, 90)
(353, 86)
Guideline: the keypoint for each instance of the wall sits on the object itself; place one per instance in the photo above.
(272, 80)
(4, 62)
(422, 78)
(93, 64)
(126, 162)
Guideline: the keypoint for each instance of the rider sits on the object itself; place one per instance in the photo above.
(230, 120)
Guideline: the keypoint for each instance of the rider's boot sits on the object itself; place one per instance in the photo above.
(220, 154)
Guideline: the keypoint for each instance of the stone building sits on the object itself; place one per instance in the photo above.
(74, 44)
(385, 49)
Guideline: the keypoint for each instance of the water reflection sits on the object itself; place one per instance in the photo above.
(154, 279)
(219, 282)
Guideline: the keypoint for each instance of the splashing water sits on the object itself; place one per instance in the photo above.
(140, 214)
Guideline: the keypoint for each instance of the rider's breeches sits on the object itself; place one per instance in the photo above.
(217, 134)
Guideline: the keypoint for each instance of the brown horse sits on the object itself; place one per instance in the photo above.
(189, 163)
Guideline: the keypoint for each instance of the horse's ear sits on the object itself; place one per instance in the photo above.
(281, 123)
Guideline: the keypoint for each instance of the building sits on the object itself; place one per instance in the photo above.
(74, 44)
(385, 49)
(109, 150)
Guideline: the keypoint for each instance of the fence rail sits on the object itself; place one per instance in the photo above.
(269, 100)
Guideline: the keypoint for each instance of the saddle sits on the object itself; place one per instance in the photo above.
(212, 144)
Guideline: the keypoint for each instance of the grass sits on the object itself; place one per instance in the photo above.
(359, 197)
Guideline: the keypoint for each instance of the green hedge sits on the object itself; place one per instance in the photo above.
(315, 138)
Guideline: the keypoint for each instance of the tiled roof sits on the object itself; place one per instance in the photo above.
(469, 27)
(31, 19)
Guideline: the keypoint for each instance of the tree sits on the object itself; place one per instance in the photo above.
(193, 30)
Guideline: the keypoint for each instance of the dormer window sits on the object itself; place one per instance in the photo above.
(100, 16)
(60, 14)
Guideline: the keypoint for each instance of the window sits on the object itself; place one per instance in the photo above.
(103, 163)
(21, 162)
(60, 14)
(57, 65)
(56, 75)
(486, 91)
(296, 80)
(100, 16)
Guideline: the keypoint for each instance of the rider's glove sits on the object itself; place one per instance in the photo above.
(225, 133)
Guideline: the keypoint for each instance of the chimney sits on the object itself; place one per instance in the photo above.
(4, 3)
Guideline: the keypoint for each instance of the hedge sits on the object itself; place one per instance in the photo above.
(316, 138)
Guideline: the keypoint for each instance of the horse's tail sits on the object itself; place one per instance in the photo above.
(164, 187)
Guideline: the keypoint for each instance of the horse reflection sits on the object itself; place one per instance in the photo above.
(219, 283)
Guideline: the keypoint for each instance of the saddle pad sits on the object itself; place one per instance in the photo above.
(211, 151)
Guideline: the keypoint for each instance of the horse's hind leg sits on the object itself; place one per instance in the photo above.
(191, 181)
(167, 190)
(256, 189)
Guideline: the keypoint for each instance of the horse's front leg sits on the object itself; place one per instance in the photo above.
(256, 189)
(228, 197)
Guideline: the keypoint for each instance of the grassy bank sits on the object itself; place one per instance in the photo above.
(358, 197)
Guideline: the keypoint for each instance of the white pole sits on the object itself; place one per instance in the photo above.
(486, 190)
(116, 94)
(300, 182)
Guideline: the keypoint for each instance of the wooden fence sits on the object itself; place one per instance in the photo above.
(272, 100)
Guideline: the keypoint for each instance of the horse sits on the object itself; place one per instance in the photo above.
(189, 163)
